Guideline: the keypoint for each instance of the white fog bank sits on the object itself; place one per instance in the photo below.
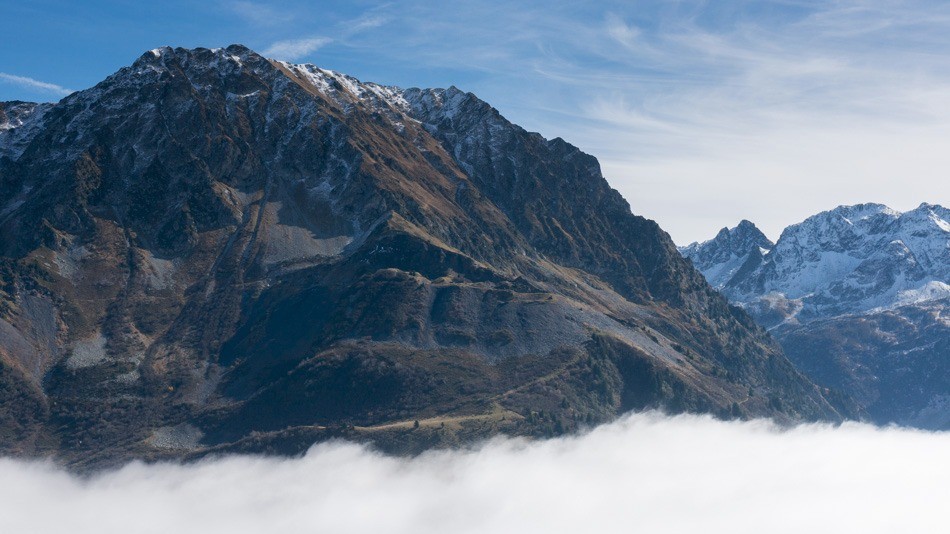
(645, 473)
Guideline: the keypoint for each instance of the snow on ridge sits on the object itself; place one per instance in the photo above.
(927, 215)
(940, 223)
(343, 88)
(930, 291)
(851, 259)
(859, 258)
(22, 122)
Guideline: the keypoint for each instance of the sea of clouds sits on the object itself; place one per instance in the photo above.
(644, 473)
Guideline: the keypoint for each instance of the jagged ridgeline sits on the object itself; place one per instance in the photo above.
(213, 251)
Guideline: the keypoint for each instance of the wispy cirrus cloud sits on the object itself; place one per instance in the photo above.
(833, 104)
(365, 22)
(35, 85)
(260, 14)
(293, 49)
(701, 113)
(622, 32)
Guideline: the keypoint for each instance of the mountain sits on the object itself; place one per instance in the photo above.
(211, 251)
(731, 254)
(859, 298)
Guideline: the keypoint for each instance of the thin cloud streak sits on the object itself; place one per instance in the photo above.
(260, 14)
(293, 49)
(366, 22)
(36, 85)
(644, 473)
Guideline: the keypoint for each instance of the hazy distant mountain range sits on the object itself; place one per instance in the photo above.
(859, 298)
(212, 251)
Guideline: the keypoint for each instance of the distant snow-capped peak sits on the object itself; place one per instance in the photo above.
(722, 257)
(850, 259)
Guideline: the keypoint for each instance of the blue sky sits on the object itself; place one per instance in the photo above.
(701, 113)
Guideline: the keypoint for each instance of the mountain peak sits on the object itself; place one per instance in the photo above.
(730, 252)
(935, 209)
(746, 235)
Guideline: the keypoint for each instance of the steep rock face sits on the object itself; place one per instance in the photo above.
(732, 254)
(214, 251)
(858, 298)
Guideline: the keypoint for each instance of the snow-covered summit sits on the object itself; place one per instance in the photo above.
(850, 259)
(724, 256)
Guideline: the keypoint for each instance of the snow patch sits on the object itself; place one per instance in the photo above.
(933, 290)
(940, 223)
